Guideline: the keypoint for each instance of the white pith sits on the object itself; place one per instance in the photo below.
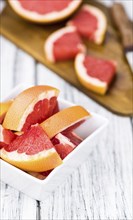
(1, 134)
(49, 44)
(82, 72)
(51, 16)
(64, 140)
(15, 156)
(48, 95)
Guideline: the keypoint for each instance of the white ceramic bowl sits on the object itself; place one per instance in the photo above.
(41, 189)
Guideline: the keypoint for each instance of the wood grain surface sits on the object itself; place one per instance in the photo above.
(31, 37)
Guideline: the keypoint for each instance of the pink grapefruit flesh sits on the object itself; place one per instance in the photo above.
(63, 44)
(103, 70)
(45, 6)
(94, 73)
(44, 11)
(42, 110)
(6, 137)
(65, 143)
(90, 22)
(31, 142)
(32, 151)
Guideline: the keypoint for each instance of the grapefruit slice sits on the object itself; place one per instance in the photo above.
(4, 106)
(94, 73)
(31, 106)
(91, 23)
(63, 44)
(65, 144)
(63, 120)
(6, 137)
(44, 11)
(32, 151)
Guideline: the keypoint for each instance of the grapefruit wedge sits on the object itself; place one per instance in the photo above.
(94, 73)
(31, 106)
(91, 23)
(44, 11)
(66, 144)
(6, 137)
(32, 151)
(4, 106)
(63, 120)
(63, 44)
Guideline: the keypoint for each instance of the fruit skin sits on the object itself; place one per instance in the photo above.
(23, 105)
(4, 106)
(100, 89)
(64, 119)
(49, 43)
(32, 151)
(43, 19)
(102, 23)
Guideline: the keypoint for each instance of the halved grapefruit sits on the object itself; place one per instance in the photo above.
(65, 144)
(90, 22)
(44, 11)
(32, 151)
(31, 106)
(94, 73)
(64, 119)
(4, 106)
(63, 44)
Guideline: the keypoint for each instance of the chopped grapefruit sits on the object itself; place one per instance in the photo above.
(32, 151)
(91, 23)
(63, 44)
(63, 120)
(94, 73)
(4, 106)
(31, 106)
(6, 137)
(65, 144)
(44, 11)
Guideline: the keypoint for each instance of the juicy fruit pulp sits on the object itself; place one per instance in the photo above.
(32, 142)
(6, 137)
(65, 143)
(101, 69)
(42, 110)
(67, 46)
(44, 6)
(86, 23)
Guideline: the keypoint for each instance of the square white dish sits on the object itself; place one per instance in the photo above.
(41, 189)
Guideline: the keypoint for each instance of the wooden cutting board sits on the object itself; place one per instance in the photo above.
(31, 37)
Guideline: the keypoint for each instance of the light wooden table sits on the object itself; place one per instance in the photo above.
(102, 187)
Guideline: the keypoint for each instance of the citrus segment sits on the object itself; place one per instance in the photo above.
(63, 44)
(31, 106)
(6, 137)
(44, 11)
(63, 120)
(94, 73)
(32, 151)
(65, 143)
(91, 23)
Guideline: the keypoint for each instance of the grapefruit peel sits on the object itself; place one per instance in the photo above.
(24, 104)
